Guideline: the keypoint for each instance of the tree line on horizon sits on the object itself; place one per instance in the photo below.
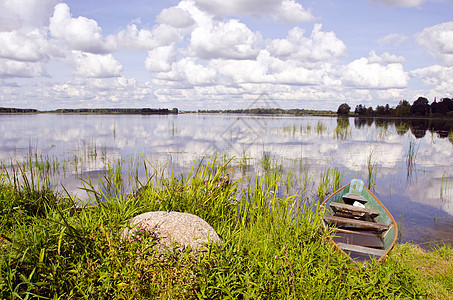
(142, 111)
(419, 108)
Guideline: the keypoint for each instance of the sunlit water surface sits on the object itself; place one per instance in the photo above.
(411, 167)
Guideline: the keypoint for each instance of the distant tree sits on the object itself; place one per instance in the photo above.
(380, 110)
(360, 110)
(370, 111)
(343, 109)
(444, 106)
(387, 110)
(420, 107)
(403, 109)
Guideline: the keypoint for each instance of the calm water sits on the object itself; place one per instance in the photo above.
(412, 162)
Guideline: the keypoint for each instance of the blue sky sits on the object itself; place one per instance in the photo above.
(216, 54)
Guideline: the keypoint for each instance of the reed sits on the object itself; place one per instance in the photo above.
(320, 128)
(445, 187)
(371, 167)
(410, 159)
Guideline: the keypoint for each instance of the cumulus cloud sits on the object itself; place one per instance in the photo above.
(404, 3)
(362, 73)
(176, 17)
(79, 33)
(24, 46)
(291, 11)
(438, 40)
(187, 70)
(12, 68)
(244, 71)
(320, 46)
(25, 13)
(144, 39)
(228, 40)
(95, 65)
(438, 77)
(392, 39)
(238, 7)
(160, 59)
(385, 58)
(287, 11)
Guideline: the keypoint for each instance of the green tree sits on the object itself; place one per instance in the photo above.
(403, 109)
(343, 109)
(420, 107)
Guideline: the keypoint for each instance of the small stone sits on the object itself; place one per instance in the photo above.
(173, 228)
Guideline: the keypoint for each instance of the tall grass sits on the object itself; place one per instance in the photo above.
(371, 167)
(410, 159)
(272, 246)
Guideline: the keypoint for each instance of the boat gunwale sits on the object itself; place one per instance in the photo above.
(393, 222)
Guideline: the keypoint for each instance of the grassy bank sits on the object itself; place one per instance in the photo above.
(272, 246)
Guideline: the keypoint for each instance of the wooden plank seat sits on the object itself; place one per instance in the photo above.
(355, 231)
(361, 249)
(354, 197)
(357, 223)
(373, 213)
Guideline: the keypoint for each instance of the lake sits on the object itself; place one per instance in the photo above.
(409, 165)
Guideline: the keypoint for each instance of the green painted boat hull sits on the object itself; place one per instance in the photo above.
(386, 237)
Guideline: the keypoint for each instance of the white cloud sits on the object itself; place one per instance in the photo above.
(144, 39)
(404, 3)
(176, 17)
(392, 39)
(319, 47)
(79, 33)
(239, 7)
(434, 75)
(438, 40)
(385, 58)
(362, 73)
(438, 77)
(26, 14)
(187, 71)
(160, 59)
(242, 71)
(287, 11)
(95, 65)
(291, 11)
(390, 94)
(228, 40)
(12, 68)
(30, 46)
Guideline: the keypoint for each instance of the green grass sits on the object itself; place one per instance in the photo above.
(272, 246)
(433, 269)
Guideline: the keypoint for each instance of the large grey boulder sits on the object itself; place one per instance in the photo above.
(172, 228)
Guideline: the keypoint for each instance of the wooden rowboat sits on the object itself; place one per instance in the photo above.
(364, 228)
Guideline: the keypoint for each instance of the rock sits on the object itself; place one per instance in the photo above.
(184, 229)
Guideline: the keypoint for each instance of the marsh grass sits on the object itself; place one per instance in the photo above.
(411, 159)
(272, 246)
(320, 128)
(445, 187)
(371, 168)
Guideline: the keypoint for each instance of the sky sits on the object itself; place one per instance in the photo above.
(218, 54)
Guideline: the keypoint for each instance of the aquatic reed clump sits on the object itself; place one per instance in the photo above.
(410, 159)
(371, 167)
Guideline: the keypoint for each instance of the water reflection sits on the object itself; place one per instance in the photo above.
(418, 127)
(408, 162)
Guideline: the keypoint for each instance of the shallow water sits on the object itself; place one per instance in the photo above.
(410, 163)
